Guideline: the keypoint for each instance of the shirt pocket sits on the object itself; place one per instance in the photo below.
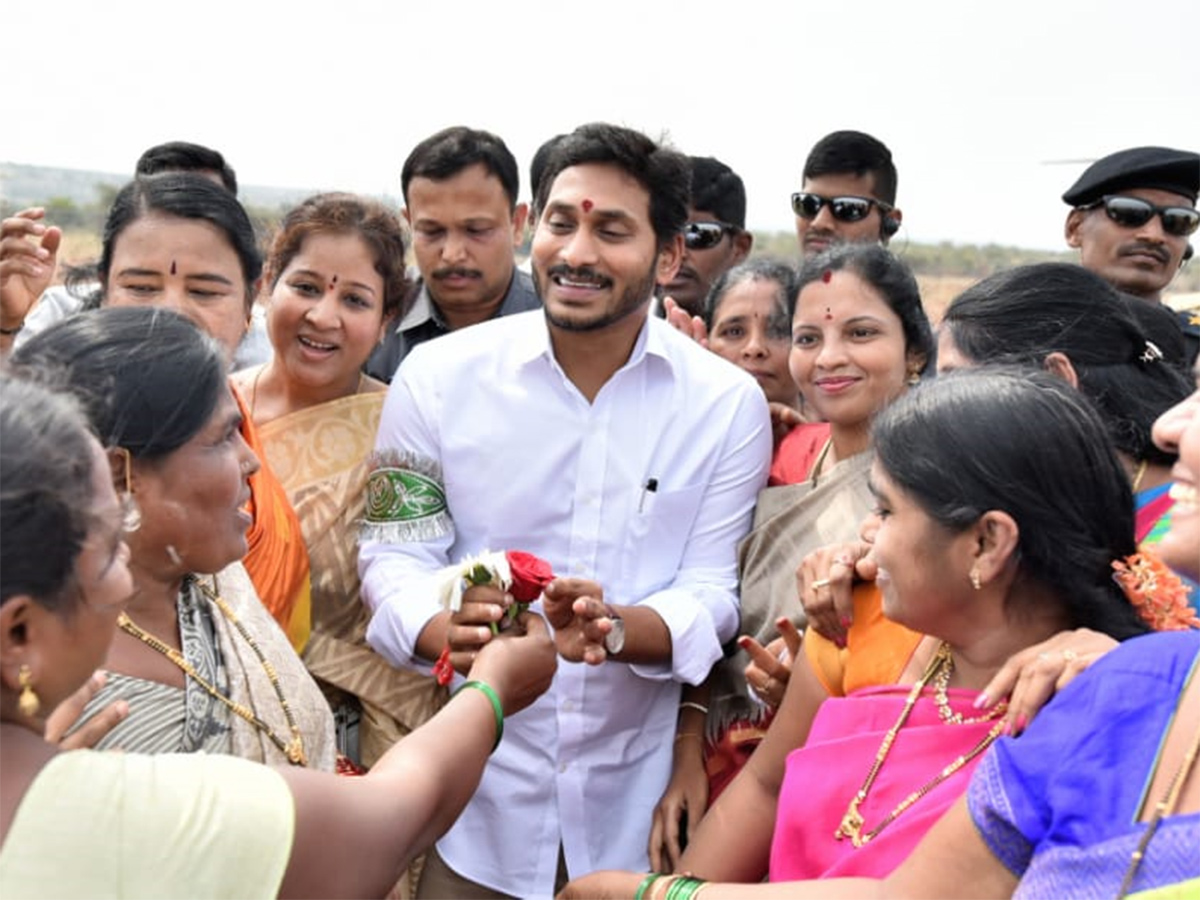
(658, 537)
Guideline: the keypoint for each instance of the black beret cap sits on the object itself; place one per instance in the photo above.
(1157, 168)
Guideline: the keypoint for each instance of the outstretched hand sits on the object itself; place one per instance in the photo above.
(520, 663)
(770, 667)
(575, 608)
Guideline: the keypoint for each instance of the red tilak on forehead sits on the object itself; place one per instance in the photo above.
(587, 205)
(333, 283)
(827, 276)
(828, 314)
(172, 267)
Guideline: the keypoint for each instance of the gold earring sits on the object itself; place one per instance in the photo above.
(28, 702)
(976, 580)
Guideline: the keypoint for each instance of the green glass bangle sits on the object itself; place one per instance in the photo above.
(645, 885)
(497, 707)
(684, 888)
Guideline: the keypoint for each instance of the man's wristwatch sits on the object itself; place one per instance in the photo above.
(614, 641)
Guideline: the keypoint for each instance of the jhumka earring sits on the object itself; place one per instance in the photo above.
(28, 702)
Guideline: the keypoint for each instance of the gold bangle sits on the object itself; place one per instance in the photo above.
(689, 704)
(688, 734)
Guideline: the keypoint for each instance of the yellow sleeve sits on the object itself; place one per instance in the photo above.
(97, 824)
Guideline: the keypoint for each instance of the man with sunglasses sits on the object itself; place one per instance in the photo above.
(848, 194)
(1132, 214)
(715, 237)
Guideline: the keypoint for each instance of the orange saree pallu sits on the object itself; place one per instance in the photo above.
(277, 558)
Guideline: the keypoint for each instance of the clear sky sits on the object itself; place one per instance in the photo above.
(980, 103)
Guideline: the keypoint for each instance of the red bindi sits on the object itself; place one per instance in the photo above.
(333, 283)
(172, 267)
(587, 205)
(827, 276)
(828, 314)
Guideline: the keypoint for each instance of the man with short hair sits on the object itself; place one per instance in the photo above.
(624, 454)
(461, 189)
(848, 193)
(715, 238)
(1132, 213)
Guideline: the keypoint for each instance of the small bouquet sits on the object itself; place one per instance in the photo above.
(522, 576)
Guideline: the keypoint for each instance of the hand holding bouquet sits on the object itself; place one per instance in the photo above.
(522, 576)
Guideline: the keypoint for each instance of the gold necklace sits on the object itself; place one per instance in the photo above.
(1165, 806)
(941, 685)
(851, 826)
(293, 749)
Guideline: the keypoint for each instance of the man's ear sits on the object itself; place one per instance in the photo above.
(1059, 364)
(743, 242)
(1071, 228)
(669, 258)
(520, 217)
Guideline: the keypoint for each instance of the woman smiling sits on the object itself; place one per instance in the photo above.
(334, 276)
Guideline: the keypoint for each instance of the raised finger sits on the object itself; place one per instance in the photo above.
(791, 635)
(23, 223)
(760, 657)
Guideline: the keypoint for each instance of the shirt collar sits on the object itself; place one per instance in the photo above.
(534, 343)
(424, 309)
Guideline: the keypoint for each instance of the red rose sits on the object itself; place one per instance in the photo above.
(530, 575)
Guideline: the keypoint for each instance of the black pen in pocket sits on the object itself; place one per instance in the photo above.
(650, 488)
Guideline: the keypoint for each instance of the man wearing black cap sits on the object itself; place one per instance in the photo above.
(1133, 213)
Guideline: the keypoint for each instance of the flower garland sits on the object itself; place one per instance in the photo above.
(1157, 593)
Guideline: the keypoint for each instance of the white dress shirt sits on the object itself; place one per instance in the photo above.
(529, 464)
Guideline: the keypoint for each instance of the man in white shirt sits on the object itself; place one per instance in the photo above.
(613, 447)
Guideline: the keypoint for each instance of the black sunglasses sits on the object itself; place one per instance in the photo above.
(1133, 212)
(844, 209)
(705, 235)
